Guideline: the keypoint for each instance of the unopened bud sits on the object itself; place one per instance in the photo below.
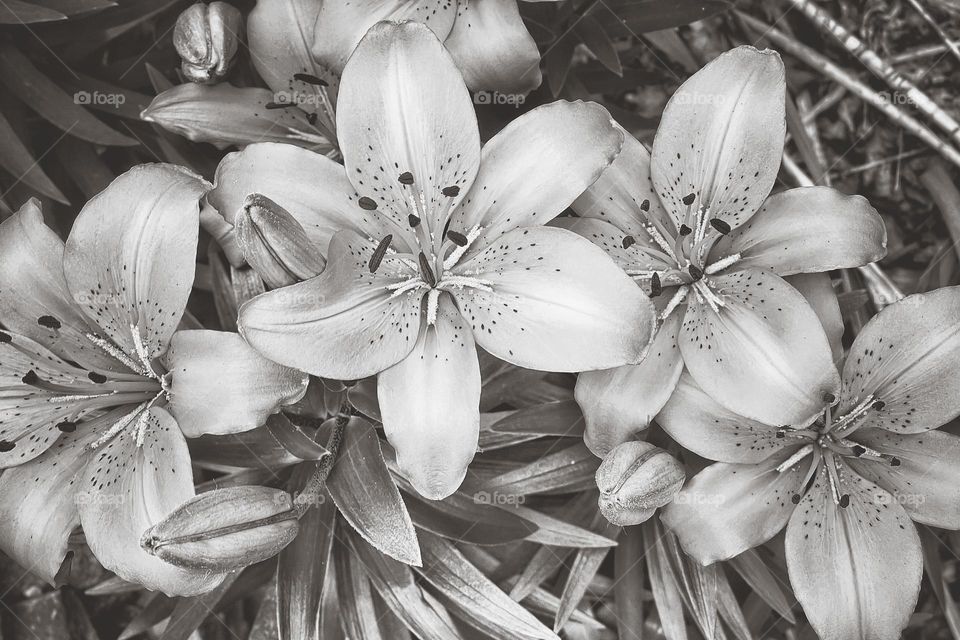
(224, 529)
(635, 479)
(206, 38)
(275, 244)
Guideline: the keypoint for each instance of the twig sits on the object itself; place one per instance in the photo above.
(950, 44)
(876, 64)
(925, 51)
(862, 91)
(946, 196)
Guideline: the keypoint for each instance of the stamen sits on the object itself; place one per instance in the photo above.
(848, 423)
(433, 303)
(660, 240)
(5, 337)
(628, 241)
(656, 288)
(142, 352)
(808, 476)
(675, 301)
(379, 253)
(461, 282)
(117, 353)
(457, 238)
(798, 455)
(367, 203)
(695, 272)
(844, 501)
(879, 405)
(722, 264)
(451, 192)
(399, 288)
(685, 230)
(405, 178)
(720, 225)
(49, 322)
(706, 294)
(458, 252)
(689, 198)
(413, 221)
(645, 205)
(426, 272)
(97, 378)
(120, 425)
(310, 79)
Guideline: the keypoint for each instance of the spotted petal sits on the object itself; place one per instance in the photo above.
(619, 403)
(868, 553)
(763, 354)
(430, 403)
(729, 508)
(817, 288)
(807, 230)
(529, 174)
(492, 47)
(558, 303)
(34, 298)
(125, 489)
(130, 258)
(312, 187)
(925, 480)
(702, 425)
(721, 137)
(341, 25)
(345, 323)
(407, 126)
(906, 358)
(220, 385)
(627, 250)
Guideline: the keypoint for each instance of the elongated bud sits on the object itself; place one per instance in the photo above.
(635, 479)
(224, 529)
(275, 244)
(206, 37)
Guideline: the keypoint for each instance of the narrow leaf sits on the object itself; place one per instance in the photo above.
(764, 583)
(19, 162)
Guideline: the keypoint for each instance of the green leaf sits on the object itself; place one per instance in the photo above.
(19, 162)
(17, 12)
(57, 107)
(585, 565)
(358, 611)
(561, 419)
(595, 38)
(569, 469)
(764, 583)
(642, 16)
(473, 597)
(363, 489)
(294, 439)
(628, 579)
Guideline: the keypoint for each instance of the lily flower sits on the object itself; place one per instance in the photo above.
(486, 38)
(693, 223)
(298, 107)
(441, 250)
(98, 387)
(845, 485)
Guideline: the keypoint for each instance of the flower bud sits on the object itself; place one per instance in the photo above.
(275, 244)
(224, 529)
(206, 38)
(635, 479)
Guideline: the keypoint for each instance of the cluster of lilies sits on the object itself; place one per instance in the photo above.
(394, 244)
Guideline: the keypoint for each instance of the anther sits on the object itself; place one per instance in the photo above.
(781, 433)
(367, 203)
(656, 287)
(310, 79)
(845, 500)
(379, 252)
(67, 426)
(405, 178)
(858, 450)
(426, 272)
(6, 445)
(828, 397)
(894, 462)
(49, 322)
(97, 378)
(628, 241)
(879, 405)
(695, 272)
(458, 238)
(5, 337)
(720, 225)
(30, 378)
(312, 118)
(795, 498)
(685, 230)
(645, 205)
(413, 221)
(451, 192)
(689, 198)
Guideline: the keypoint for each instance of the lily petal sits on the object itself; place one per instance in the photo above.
(126, 488)
(558, 303)
(38, 503)
(618, 404)
(281, 33)
(624, 194)
(763, 354)
(312, 187)
(729, 508)
(341, 25)
(926, 479)
(493, 48)
(345, 323)
(868, 553)
(906, 357)
(430, 402)
(807, 230)
(721, 137)
(220, 385)
(35, 301)
(817, 288)
(130, 258)
(633, 258)
(407, 135)
(226, 115)
(529, 174)
(702, 425)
